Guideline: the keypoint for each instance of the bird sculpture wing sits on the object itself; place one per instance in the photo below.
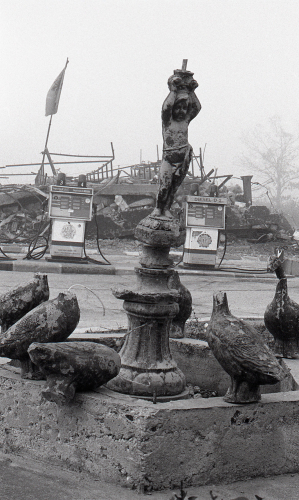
(282, 319)
(53, 320)
(241, 351)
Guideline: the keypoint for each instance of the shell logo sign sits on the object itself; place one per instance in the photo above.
(204, 240)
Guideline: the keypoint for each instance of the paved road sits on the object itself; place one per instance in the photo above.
(248, 297)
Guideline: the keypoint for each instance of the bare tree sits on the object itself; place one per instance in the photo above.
(273, 153)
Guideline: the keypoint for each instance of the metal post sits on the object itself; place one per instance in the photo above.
(42, 169)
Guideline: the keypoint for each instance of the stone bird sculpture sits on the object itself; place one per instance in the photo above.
(242, 353)
(185, 306)
(282, 314)
(51, 321)
(73, 366)
(19, 301)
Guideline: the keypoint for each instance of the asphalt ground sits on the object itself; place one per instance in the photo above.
(249, 290)
(26, 479)
(249, 287)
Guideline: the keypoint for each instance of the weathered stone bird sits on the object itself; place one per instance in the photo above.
(19, 301)
(51, 321)
(185, 306)
(282, 314)
(242, 353)
(73, 366)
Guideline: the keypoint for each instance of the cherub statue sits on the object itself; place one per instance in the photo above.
(179, 108)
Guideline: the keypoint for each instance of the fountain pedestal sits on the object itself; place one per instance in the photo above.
(148, 369)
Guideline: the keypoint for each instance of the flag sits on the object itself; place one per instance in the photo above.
(53, 95)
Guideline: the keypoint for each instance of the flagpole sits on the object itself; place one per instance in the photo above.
(42, 167)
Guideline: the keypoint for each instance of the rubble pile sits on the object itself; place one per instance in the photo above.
(22, 210)
(257, 221)
(21, 213)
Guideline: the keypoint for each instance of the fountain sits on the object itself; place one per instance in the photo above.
(142, 431)
(147, 366)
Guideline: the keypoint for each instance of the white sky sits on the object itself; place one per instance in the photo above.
(244, 55)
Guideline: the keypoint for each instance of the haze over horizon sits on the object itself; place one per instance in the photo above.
(244, 56)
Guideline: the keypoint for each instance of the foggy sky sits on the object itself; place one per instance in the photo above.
(244, 55)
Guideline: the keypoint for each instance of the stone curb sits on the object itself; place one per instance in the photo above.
(44, 266)
(18, 264)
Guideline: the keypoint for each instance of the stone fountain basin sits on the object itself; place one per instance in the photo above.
(136, 443)
(194, 357)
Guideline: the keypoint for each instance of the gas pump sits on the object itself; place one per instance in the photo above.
(70, 207)
(205, 216)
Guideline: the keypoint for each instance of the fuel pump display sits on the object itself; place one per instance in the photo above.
(205, 216)
(71, 202)
(69, 208)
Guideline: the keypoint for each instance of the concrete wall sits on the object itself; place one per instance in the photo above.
(211, 443)
(137, 443)
(94, 433)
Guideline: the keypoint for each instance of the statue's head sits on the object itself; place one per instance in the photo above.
(180, 107)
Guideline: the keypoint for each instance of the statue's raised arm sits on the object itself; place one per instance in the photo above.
(179, 108)
(194, 105)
